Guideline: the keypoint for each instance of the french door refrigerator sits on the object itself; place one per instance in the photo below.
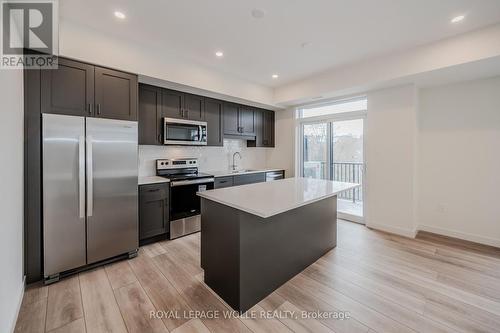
(90, 191)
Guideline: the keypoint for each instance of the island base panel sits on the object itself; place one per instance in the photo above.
(246, 257)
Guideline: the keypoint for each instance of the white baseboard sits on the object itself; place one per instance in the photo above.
(19, 303)
(460, 235)
(393, 230)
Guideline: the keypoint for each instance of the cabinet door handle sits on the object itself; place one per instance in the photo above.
(89, 107)
(159, 138)
(98, 108)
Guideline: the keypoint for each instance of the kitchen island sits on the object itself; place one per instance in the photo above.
(256, 237)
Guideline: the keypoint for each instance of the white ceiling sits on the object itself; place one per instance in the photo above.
(337, 31)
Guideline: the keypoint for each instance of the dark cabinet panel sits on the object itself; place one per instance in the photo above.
(221, 182)
(172, 104)
(115, 94)
(194, 107)
(259, 130)
(249, 179)
(239, 120)
(150, 122)
(214, 118)
(231, 122)
(268, 128)
(264, 129)
(246, 117)
(153, 210)
(69, 89)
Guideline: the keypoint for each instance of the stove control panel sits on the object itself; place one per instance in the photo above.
(176, 163)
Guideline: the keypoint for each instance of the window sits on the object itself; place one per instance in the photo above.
(359, 104)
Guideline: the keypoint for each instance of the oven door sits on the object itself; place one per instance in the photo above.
(183, 199)
(184, 132)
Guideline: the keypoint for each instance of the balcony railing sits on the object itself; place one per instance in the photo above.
(350, 172)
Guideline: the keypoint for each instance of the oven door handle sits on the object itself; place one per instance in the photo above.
(191, 182)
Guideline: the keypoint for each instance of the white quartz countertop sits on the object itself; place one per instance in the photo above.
(152, 180)
(272, 198)
(226, 173)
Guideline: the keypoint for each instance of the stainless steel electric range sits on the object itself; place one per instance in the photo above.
(185, 181)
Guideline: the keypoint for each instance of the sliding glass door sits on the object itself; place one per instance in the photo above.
(332, 147)
(347, 165)
(316, 150)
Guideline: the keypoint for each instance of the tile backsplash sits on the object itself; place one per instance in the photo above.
(209, 158)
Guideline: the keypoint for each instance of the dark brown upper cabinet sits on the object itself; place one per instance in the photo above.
(69, 89)
(150, 121)
(247, 120)
(80, 89)
(231, 122)
(115, 94)
(268, 128)
(264, 129)
(177, 104)
(214, 118)
(172, 104)
(239, 120)
(194, 107)
(224, 119)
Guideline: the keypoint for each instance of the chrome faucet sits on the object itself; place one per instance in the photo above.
(234, 163)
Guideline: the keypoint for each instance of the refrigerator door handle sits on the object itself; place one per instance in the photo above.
(81, 175)
(90, 176)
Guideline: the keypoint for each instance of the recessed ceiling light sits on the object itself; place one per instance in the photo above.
(258, 13)
(120, 15)
(275, 76)
(219, 54)
(457, 19)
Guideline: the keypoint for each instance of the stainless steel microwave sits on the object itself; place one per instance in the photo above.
(184, 132)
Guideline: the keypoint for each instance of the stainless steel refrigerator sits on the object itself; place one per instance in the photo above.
(90, 192)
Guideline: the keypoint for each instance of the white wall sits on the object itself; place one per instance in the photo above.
(209, 158)
(11, 194)
(459, 160)
(395, 68)
(283, 155)
(390, 158)
(82, 43)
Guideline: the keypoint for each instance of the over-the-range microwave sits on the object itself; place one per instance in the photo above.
(184, 132)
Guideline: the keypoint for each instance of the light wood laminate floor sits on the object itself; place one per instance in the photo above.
(386, 283)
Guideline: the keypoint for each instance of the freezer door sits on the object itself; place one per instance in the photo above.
(112, 190)
(63, 192)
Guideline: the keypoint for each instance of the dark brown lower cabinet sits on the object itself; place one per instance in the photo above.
(221, 182)
(249, 179)
(153, 210)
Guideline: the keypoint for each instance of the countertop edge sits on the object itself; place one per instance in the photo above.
(218, 174)
(148, 180)
(250, 211)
